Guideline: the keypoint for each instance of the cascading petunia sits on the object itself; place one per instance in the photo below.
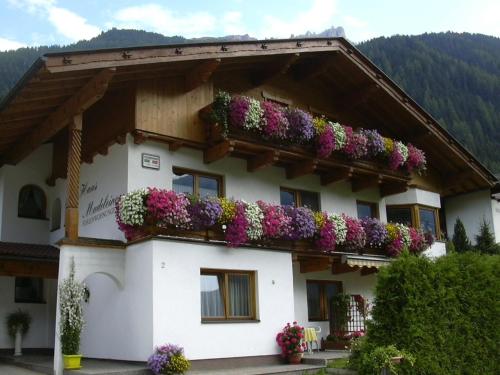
(325, 137)
(301, 128)
(274, 123)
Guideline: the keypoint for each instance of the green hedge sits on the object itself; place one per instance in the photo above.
(444, 312)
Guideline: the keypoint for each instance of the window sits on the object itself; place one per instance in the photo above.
(319, 296)
(197, 183)
(227, 295)
(299, 198)
(417, 216)
(367, 209)
(428, 218)
(31, 202)
(55, 221)
(29, 290)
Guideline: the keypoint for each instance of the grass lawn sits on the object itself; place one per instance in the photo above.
(338, 363)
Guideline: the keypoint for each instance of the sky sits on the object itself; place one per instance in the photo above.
(47, 22)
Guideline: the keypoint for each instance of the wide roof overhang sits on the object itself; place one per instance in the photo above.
(363, 95)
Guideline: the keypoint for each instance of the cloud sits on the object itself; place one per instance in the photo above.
(316, 19)
(155, 17)
(8, 44)
(356, 29)
(67, 23)
(231, 22)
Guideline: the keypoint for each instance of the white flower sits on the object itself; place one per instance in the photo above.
(340, 228)
(132, 207)
(254, 216)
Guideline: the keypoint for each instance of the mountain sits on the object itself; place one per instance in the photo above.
(456, 77)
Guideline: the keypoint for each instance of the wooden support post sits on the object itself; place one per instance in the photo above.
(218, 151)
(365, 182)
(301, 168)
(262, 160)
(73, 188)
(336, 175)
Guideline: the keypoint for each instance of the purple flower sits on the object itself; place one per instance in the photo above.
(376, 232)
(325, 142)
(303, 225)
(375, 143)
(204, 213)
(301, 128)
(238, 109)
(157, 362)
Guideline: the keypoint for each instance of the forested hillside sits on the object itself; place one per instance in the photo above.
(456, 77)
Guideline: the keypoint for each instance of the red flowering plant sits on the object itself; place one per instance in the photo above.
(275, 124)
(418, 241)
(356, 144)
(326, 239)
(289, 339)
(276, 223)
(356, 236)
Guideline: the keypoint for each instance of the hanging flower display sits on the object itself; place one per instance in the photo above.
(243, 222)
(274, 123)
(295, 126)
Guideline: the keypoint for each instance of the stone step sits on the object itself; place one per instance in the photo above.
(301, 369)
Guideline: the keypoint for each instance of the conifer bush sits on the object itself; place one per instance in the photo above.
(445, 314)
(460, 239)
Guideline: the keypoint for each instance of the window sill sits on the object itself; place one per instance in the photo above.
(230, 321)
(32, 302)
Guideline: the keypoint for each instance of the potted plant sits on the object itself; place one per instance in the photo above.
(290, 342)
(168, 359)
(71, 296)
(18, 324)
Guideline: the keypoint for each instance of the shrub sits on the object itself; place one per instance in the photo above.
(19, 319)
(460, 239)
(485, 240)
(445, 313)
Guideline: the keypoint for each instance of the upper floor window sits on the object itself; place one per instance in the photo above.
(31, 202)
(197, 183)
(227, 295)
(55, 220)
(299, 198)
(29, 290)
(417, 216)
(367, 210)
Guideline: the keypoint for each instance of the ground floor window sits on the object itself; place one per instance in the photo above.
(227, 295)
(319, 296)
(29, 290)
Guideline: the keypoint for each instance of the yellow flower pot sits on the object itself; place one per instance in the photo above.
(72, 362)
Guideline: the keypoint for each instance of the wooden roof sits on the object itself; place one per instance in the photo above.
(58, 84)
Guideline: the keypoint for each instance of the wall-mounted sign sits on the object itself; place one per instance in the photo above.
(150, 161)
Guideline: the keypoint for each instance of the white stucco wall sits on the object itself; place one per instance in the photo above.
(263, 184)
(177, 303)
(415, 196)
(352, 283)
(33, 170)
(471, 209)
(41, 332)
(101, 183)
(496, 218)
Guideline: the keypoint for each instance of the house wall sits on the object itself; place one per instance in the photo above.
(42, 329)
(176, 298)
(261, 185)
(352, 283)
(471, 209)
(496, 218)
(33, 170)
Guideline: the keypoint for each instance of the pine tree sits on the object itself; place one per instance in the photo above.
(460, 239)
(485, 240)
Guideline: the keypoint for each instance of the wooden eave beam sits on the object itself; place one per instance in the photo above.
(277, 69)
(27, 268)
(218, 151)
(363, 182)
(392, 187)
(76, 105)
(315, 264)
(336, 175)
(313, 69)
(301, 168)
(263, 160)
(201, 74)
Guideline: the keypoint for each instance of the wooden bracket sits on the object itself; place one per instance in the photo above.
(338, 268)
(201, 74)
(262, 160)
(139, 137)
(336, 175)
(314, 264)
(121, 139)
(76, 105)
(218, 151)
(301, 168)
(365, 182)
(174, 146)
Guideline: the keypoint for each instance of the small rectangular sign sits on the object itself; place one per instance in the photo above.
(150, 161)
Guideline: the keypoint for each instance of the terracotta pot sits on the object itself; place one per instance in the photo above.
(295, 359)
